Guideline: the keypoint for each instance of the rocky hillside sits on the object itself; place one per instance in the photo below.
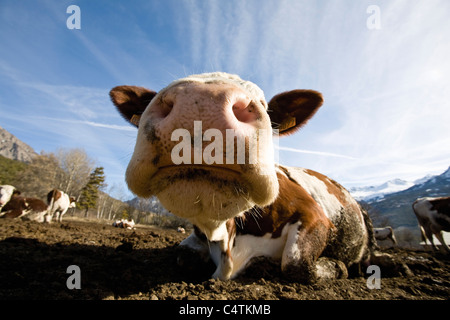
(12, 148)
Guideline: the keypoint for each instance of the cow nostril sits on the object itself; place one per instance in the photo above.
(244, 111)
(166, 108)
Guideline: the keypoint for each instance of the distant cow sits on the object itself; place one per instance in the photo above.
(181, 230)
(24, 208)
(241, 203)
(58, 203)
(433, 215)
(6, 192)
(384, 234)
(124, 223)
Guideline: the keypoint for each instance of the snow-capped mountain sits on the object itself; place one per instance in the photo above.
(395, 208)
(372, 192)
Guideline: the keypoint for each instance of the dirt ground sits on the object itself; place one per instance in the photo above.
(141, 264)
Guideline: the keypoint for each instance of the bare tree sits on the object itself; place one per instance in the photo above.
(77, 166)
(40, 176)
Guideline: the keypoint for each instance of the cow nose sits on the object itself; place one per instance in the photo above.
(243, 109)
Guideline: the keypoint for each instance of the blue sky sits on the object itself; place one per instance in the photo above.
(387, 91)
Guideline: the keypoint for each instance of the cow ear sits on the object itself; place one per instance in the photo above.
(131, 101)
(291, 110)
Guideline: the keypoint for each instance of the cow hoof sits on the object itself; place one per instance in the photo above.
(390, 266)
(329, 269)
(299, 273)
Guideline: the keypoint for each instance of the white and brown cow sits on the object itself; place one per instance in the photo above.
(241, 209)
(385, 234)
(433, 215)
(6, 192)
(24, 208)
(58, 203)
(124, 223)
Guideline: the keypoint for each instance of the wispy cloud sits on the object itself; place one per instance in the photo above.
(387, 91)
(319, 153)
(90, 123)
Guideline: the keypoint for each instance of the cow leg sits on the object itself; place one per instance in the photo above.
(429, 235)
(48, 218)
(423, 236)
(442, 241)
(301, 253)
(221, 255)
(392, 237)
(61, 215)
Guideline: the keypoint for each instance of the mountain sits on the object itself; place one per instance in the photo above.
(12, 148)
(395, 208)
(372, 192)
(149, 205)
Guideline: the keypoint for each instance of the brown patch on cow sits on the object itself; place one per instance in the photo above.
(55, 194)
(441, 205)
(231, 230)
(293, 204)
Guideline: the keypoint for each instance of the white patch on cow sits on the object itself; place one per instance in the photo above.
(291, 252)
(318, 190)
(423, 207)
(249, 246)
(6, 192)
(38, 216)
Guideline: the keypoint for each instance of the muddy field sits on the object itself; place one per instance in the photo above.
(141, 264)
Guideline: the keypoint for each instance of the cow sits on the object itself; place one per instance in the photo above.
(384, 234)
(180, 229)
(124, 223)
(6, 192)
(433, 215)
(58, 203)
(241, 207)
(24, 208)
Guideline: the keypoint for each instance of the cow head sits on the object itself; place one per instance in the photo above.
(73, 202)
(204, 144)
(6, 192)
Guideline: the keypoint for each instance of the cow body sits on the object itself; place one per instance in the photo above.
(385, 234)
(433, 215)
(58, 203)
(241, 209)
(124, 223)
(320, 220)
(24, 208)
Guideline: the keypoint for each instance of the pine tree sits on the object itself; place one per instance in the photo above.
(89, 193)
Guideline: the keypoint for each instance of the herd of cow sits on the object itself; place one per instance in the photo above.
(432, 213)
(13, 205)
